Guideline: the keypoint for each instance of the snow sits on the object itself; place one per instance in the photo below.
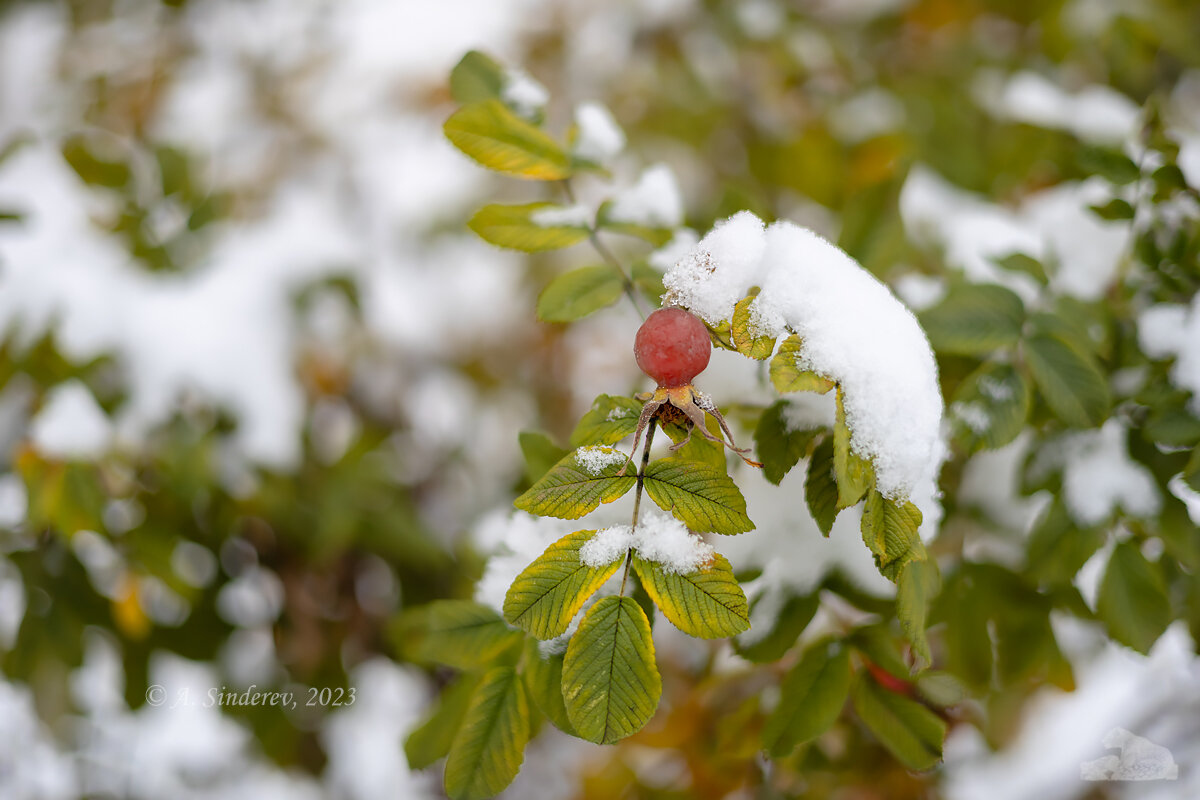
(71, 424)
(606, 546)
(920, 292)
(512, 540)
(1099, 477)
(654, 200)
(854, 331)
(1094, 113)
(1056, 226)
(659, 537)
(870, 113)
(1169, 330)
(576, 216)
(599, 136)
(13, 501)
(526, 96)
(808, 410)
(597, 458)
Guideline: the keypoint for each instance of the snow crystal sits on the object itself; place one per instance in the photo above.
(1099, 476)
(600, 137)
(854, 331)
(618, 413)
(659, 537)
(71, 424)
(606, 546)
(597, 458)
(654, 201)
(523, 93)
(1094, 113)
(577, 216)
(715, 275)
(665, 540)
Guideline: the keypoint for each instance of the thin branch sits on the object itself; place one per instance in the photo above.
(594, 237)
(637, 495)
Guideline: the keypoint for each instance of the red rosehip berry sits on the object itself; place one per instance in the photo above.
(672, 346)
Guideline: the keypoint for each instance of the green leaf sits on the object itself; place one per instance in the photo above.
(498, 139)
(990, 407)
(1108, 162)
(541, 453)
(548, 593)
(610, 420)
(611, 684)
(1058, 548)
(705, 498)
(648, 280)
(1133, 598)
(919, 582)
(779, 446)
(1069, 379)
(881, 648)
(855, 475)
(1019, 262)
(786, 374)
(543, 679)
(790, 622)
(432, 739)
(965, 609)
(1114, 209)
(531, 227)
(707, 603)
(912, 732)
(974, 319)
(746, 338)
(570, 490)
(811, 698)
(475, 78)
(940, 688)
(655, 236)
(575, 294)
(462, 634)
(820, 486)
(1173, 426)
(889, 529)
(1191, 473)
(490, 746)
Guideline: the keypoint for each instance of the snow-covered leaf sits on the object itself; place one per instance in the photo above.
(545, 597)
(610, 420)
(748, 341)
(787, 375)
(577, 484)
(707, 603)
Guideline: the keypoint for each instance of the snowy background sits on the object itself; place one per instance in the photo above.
(268, 388)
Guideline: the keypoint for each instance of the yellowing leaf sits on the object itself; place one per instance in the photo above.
(498, 139)
(855, 475)
(575, 294)
(811, 698)
(707, 603)
(786, 374)
(889, 529)
(545, 597)
(488, 750)
(699, 494)
(918, 583)
(530, 227)
(912, 732)
(748, 341)
(475, 78)
(610, 420)
(570, 489)
(611, 684)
